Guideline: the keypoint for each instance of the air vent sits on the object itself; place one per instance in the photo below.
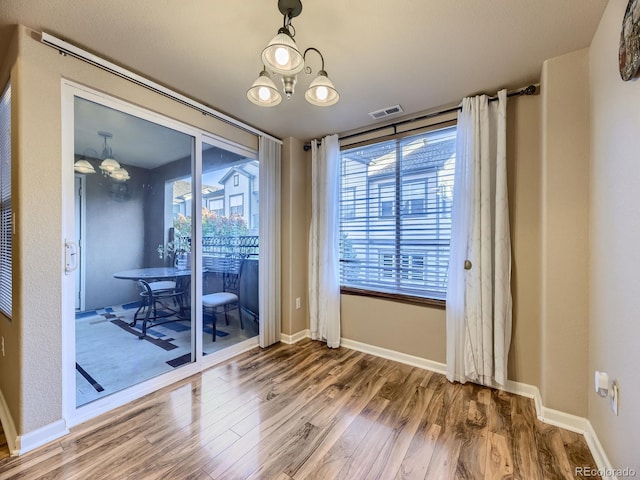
(385, 112)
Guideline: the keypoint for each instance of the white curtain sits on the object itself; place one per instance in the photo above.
(479, 283)
(324, 282)
(269, 230)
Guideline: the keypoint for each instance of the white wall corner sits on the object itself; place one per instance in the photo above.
(8, 427)
(296, 337)
(41, 436)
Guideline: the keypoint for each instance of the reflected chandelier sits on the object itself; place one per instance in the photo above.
(281, 56)
(109, 166)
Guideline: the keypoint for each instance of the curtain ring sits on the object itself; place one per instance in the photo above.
(467, 265)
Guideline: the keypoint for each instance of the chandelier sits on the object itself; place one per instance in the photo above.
(281, 56)
(109, 166)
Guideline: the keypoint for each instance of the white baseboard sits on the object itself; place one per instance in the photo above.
(393, 355)
(564, 420)
(8, 427)
(296, 337)
(41, 436)
(599, 455)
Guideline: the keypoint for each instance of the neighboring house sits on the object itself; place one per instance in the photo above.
(240, 185)
(238, 195)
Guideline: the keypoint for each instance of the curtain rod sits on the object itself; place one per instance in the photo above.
(66, 48)
(530, 90)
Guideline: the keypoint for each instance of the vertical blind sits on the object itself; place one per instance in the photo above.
(6, 230)
(395, 214)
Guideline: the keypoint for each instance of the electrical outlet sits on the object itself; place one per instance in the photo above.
(614, 397)
(298, 303)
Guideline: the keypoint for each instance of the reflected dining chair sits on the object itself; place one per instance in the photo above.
(164, 294)
(230, 269)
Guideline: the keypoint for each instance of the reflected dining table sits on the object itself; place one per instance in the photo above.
(182, 279)
(153, 273)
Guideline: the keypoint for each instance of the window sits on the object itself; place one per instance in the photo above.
(348, 202)
(414, 198)
(6, 214)
(236, 205)
(217, 206)
(386, 199)
(395, 215)
(236, 180)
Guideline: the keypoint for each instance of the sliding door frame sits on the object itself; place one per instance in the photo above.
(74, 415)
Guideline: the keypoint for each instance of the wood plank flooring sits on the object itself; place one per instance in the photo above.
(4, 448)
(303, 411)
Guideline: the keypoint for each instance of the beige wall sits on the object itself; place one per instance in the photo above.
(10, 366)
(614, 335)
(38, 271)
(524, 183)
(295, 232)
(565, 231)
(411, 329)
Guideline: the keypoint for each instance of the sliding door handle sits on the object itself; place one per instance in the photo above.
(70, 256)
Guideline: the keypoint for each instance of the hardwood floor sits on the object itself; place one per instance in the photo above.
(4, 448)
(304, 411)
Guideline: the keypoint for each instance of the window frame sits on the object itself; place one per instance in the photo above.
(217, 211)
(379, 199)
(6, 212)
(430, 180)
(241, 196)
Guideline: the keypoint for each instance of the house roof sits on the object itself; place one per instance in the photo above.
(241, 169)
(418, 155)
(182, 190)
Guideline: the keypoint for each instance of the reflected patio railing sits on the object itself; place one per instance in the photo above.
(240, 246)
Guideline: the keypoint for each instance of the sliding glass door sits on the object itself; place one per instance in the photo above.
(164, 279)
(132, 254)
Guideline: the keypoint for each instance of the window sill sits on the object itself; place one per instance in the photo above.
(398, 297)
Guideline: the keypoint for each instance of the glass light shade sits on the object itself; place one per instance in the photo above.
(282, 56)
(109, 165)
(263, 92)
(120, 175)
(321, 91)
(83, 166)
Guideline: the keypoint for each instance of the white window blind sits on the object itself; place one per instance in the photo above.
(395, 214)
(6, 230)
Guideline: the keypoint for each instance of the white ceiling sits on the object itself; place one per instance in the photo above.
(418, 53)
(134, 141)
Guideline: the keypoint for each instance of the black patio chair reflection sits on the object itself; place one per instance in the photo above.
(224, 274)
(160, 300)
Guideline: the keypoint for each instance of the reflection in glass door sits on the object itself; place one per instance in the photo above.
(133, 318)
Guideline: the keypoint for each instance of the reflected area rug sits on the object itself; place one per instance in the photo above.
(111, 357)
